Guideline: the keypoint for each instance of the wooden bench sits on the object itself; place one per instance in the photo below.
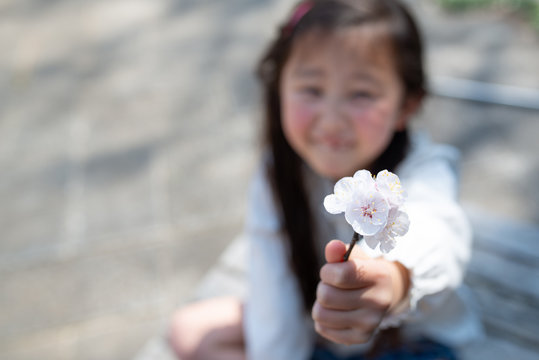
(503, 275)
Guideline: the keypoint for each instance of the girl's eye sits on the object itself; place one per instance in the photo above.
(311, 91)
(361, 95)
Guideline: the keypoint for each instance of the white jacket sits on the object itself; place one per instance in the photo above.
(436, 250)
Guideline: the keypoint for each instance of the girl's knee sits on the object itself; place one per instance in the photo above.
(182, 342)
(200, 329)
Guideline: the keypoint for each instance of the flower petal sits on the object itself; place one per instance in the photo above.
(371, 241)
(387, 244)
(333, 205)
(364, 180)
(344, 188)
(367, 213)
(389, 184)
(401, 224)
(368, 228)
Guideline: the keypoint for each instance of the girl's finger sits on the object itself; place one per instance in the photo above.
(342, 336)
(362, 319)
(358, 253)
(339, 299)
(335, 251)
(323, 316)
(352, 274)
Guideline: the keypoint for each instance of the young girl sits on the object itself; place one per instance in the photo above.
(341, 81)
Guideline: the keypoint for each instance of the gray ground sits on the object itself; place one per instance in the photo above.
(127, 136)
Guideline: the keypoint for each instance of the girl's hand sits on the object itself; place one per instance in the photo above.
(353, 297)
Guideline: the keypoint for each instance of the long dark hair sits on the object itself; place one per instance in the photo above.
(284, 171)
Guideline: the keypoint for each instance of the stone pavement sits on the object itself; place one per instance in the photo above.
(127, 136)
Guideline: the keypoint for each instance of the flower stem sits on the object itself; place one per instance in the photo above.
(355, 239)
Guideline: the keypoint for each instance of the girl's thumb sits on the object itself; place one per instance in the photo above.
(335, 251)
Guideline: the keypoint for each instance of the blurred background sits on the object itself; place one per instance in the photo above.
(129, 130)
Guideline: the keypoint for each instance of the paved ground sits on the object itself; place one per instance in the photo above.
(127, 136)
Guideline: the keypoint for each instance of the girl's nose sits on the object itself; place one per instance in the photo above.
(331, 114)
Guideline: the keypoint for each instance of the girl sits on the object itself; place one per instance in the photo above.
(341, 81)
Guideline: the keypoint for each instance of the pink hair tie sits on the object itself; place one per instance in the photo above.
(302, 9)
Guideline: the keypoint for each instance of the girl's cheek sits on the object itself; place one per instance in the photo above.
(299, 114)
(366, 121)
(371, 120)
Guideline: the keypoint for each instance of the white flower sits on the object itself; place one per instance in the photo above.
(346, 188)
(364, 207)
(367, 212)
(389, 184)
(371, 207)
(398, 224)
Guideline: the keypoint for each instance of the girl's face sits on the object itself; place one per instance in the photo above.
(341, 100)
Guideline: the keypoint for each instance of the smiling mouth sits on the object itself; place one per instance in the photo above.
(336, 145)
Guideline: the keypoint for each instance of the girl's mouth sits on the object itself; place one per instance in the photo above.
(336, 143)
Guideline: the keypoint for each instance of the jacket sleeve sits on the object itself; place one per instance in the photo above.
(275, 323)
(437, 247)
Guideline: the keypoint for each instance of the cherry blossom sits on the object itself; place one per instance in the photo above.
(372, 206)
(397, 225)
(389, 184)
(346, 189)
(367, 212)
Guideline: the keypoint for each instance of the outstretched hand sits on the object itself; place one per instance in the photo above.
(353, 296)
